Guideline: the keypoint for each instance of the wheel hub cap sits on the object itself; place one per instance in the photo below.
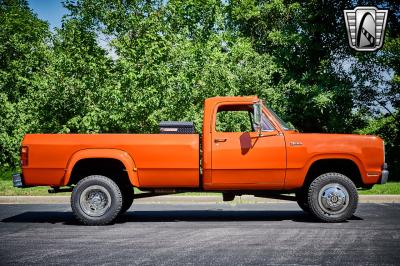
(333, 198)
(95, 200)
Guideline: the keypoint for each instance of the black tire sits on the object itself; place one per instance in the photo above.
(127, 198)
(302, 201)
(96, 200)
(332, 197)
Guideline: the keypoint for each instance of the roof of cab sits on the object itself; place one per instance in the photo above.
(217, 99)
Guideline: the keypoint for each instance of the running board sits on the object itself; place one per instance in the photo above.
(276, 196)
(53, 190)
(151, 194)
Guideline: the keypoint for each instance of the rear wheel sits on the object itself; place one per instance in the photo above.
(332, 197)
(127, 198)
(96, 200)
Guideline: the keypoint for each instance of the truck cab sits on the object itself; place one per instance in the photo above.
(257, 153)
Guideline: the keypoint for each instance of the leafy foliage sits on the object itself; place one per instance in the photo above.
(123, 66)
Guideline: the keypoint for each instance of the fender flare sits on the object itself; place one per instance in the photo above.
(344, 156)
(116, 154)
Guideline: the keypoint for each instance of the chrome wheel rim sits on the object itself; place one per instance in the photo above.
(95, 200)
(333, 199)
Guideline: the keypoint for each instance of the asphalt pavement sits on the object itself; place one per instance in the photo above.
(200, 234)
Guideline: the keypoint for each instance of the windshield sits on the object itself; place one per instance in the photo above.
(284, 125)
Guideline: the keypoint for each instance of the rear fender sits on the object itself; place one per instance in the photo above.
(119, 155)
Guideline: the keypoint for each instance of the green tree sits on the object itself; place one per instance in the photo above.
(23, 55)
(165, 57)
(76, 80)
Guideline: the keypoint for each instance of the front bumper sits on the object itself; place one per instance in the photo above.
(18, 180)
(385, 174)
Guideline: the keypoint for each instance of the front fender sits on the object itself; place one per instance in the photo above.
(295, 177)
(119, 155)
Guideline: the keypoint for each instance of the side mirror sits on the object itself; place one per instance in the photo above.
(257, 109)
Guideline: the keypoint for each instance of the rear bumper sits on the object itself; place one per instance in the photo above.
(18, 180)
(385, 174)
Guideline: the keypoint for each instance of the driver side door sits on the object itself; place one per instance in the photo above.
(241, 159)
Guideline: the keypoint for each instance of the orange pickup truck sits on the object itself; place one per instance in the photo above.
(261, 155)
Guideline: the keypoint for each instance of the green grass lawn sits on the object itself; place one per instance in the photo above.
(389, 188)
(7, 189)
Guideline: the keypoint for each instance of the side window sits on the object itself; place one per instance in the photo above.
(239, 118)
(266, 124)
(233, 121)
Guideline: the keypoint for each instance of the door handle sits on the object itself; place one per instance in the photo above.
(219, 140)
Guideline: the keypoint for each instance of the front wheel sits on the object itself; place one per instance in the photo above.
(302, 201)
(332, 197)
(96, 200)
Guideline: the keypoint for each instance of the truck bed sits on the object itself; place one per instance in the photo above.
(161, 160)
